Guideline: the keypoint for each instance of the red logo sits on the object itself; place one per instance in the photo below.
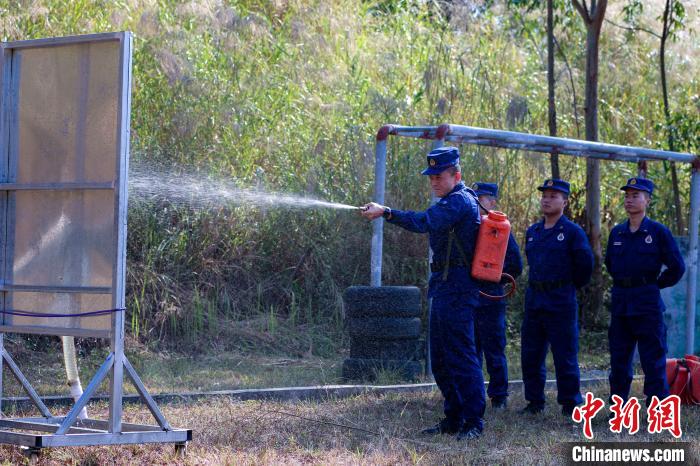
(665, 415)
(624, 415)
(587, 412)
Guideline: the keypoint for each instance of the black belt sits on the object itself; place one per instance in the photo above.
(440, 266)
(548, 286)
(633, 282)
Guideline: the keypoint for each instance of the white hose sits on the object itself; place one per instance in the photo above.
(69, 357)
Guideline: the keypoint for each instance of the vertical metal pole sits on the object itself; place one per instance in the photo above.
(379, 188)
(692, 260)
(5, 89)
(119, 270)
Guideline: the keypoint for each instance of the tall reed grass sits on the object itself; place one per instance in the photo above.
(288, 94)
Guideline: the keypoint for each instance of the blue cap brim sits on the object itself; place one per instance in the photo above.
(435, 170)
(636, 186)
(483, 193)
(553, 188)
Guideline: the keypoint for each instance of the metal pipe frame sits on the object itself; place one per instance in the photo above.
(69, 430)
(544, 144)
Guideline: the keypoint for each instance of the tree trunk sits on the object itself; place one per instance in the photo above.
(593, 19)
(552, 109)
(668, 11)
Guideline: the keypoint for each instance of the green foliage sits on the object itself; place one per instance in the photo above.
(288, 95)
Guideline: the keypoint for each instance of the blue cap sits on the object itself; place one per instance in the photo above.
(557, 185)
(441, 159)
(485, 189)
(641, 184)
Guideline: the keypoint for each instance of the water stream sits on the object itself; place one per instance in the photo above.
(197, 191)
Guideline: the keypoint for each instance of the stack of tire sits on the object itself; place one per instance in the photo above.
(385, 327)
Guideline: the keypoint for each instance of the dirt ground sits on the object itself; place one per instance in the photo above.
(366, 429)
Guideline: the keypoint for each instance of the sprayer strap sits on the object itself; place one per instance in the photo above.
(465, 260)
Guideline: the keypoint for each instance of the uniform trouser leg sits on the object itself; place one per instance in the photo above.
(439, 365)
(621, 341)
(490, 329)
(651, 340)
(456, 367)
(562, 334)
(533, 351)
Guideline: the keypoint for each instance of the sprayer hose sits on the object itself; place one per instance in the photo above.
(508, 294)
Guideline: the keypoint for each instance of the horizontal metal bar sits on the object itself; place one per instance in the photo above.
(170, 436)
(88, 424)
(539, 143)
(18, 438)
(56, 289)
(52, 440)
(56, 186)
(43, 426)
(60, 331)
(126, 427)
(51, 41)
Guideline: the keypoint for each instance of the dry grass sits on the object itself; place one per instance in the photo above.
(230, 432)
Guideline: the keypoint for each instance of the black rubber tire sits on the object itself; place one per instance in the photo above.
(367, 369)
(384, 328)
(382, 301)
(405, 350)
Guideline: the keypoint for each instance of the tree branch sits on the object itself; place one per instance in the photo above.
(582, 11)
(599, 12)
(634, 29)
(573, 87)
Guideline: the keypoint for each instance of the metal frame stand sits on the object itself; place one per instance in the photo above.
(68, 430)
(35, 433)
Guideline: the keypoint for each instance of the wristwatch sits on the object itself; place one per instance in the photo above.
(387, 213)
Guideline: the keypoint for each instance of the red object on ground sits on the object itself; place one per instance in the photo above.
(491, 246)
(693, 363)
(683, 376)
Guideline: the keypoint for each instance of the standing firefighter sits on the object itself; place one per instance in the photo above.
(490, 315)
(636, 251)
(452, 225)
(560, 260)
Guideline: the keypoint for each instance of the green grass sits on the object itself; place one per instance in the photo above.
(232, 369)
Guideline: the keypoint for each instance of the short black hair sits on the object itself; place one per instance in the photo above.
(454, 169)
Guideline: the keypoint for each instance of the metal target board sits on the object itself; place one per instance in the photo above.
(63, 183)
(64, 150)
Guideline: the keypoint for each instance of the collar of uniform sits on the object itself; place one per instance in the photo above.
(643, 227)
(458, 187)
(557, 226)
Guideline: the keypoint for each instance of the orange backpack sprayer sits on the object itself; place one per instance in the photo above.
(490, 252)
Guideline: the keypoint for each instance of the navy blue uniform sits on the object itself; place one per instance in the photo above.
(490, 326)
(453, 356)
(560, 260)
(634, 261)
